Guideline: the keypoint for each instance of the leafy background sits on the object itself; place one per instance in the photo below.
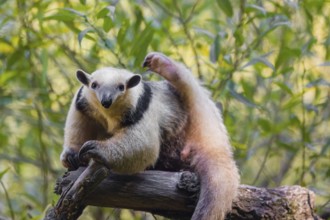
(266, 63)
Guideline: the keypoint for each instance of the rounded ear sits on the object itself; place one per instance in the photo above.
(133, 81)
(83, 77)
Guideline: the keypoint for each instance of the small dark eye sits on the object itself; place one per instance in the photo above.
(121, 87)
(94, 85)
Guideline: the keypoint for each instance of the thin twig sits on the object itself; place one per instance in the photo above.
(263, 163)
(11, 210)
(303, 130)
(190, 39)
(103, 37)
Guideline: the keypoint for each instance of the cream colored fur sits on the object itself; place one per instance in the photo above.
(128, 150)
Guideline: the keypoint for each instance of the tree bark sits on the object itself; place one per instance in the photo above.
(171, 194)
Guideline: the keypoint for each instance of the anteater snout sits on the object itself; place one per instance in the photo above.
(106, 103)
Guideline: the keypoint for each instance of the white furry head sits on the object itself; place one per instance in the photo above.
(109, 84)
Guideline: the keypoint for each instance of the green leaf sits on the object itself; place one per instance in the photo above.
(75, 12)
(285, 146)
(241, 98)
(109, 44)
(226, 7)
(61, 15)
(103, 13)
(2, 173)
(143, 47)
(83, 2)
(71, 26)
(260, 60)
(325, 148)
(108, 11)
(253, 7)
(122, 33)
(238, 37)
(249, 88)
(286, 55)
(284, 87)
(282, 23)
(82, 34)
(228, 59)
(44, 61)
(16, 57)
(142, 41)
(264, 124)
(318, 82)
(6, 78)
(215, 49)
(107, 24)
(2, 2)
(292, 103)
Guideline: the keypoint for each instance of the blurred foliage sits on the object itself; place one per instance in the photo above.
(267, 62)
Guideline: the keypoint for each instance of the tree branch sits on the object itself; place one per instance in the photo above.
(171, 194)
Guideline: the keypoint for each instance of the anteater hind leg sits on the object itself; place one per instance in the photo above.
(183, 81)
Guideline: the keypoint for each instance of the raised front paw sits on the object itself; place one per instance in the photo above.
(161, 64)
(93, 150)
(70, 160)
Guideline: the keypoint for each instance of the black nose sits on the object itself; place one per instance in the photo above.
(106, 103)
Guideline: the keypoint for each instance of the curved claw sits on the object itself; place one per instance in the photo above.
(147, 61)
(86, 151)
(73, 161)
(92, 150)
(161, 64)
(70, 160)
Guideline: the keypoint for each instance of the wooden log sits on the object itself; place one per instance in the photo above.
(73, 192)
(173, 195)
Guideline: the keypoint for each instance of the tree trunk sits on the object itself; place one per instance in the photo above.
(171, 194)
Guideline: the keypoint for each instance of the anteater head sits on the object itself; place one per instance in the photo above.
(109, 84)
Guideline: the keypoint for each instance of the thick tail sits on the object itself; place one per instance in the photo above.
(219, 181)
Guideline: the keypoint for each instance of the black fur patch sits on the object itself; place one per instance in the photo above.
(132, 116)
(81, 102)
(173, 136)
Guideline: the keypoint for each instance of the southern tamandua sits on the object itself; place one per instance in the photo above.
(130, 125)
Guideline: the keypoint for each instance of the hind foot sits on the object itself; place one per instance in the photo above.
(161, 64)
